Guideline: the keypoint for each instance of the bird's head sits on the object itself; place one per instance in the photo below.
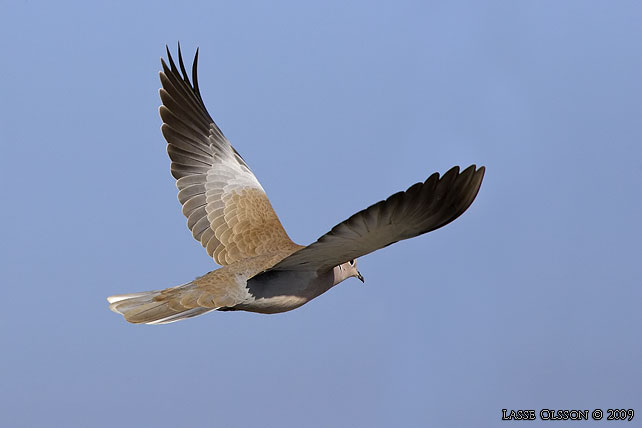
(347, 270)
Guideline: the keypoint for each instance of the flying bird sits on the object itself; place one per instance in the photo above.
(262, 269)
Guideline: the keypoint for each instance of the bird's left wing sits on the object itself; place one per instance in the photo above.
(423, 207)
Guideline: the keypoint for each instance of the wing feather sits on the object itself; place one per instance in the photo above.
(423, 207)
(217, 189)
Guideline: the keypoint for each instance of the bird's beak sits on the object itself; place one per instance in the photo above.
(360, 277)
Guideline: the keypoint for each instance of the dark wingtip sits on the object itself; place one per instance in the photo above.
(171, 60)
(452, 171)
(180, 71)
(478, 173)
(195, 74)
(473, 170)
(181, 64)
(164, 65)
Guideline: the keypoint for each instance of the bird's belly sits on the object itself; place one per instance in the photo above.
(273, 305)
(282, 291)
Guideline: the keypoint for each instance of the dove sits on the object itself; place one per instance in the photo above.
(228, 212)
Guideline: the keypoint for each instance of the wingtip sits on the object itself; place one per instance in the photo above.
(476, 170)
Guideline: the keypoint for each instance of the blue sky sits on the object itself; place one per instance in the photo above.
(530, 300)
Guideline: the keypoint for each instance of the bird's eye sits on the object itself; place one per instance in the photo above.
(351, 262)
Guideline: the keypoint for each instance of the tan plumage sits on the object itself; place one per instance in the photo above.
(229, 213)
(227, 210)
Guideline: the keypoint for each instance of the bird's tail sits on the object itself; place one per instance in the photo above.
(149, 307)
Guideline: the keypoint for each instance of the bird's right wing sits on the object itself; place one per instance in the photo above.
(227, 210)
(423, 207)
